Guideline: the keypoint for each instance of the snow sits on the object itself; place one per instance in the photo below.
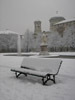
(31, 88)
(47, 65)
(28, 71)
(8, 32)
(65, 21)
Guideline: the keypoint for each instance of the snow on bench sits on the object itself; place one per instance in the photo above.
(29, 71)
(46, 68)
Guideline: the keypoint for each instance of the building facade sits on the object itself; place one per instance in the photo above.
(60, 37)
(37, 25)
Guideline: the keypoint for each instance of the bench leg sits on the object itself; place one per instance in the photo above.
(43, 81)
(25, 74)
(18, 74)
(48, 77)
(54, 78)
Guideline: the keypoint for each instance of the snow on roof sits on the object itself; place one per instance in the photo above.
(8, 32)
(57, 17)
(65, 21)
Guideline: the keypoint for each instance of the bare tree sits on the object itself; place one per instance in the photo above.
(27, 40)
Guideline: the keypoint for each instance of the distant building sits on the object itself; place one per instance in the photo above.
(61, 36)
(55, 20)
(8, 41)
(37, 25)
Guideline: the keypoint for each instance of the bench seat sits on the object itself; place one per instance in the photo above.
(30, 72)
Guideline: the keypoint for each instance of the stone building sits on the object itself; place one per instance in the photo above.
(60, 37)
(37, 25)
(55, 20)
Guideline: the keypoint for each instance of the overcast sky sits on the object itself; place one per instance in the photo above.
(19, 15)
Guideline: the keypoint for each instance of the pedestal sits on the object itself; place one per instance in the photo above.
(44, 50)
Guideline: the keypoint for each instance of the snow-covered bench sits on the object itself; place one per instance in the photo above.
(47, 68)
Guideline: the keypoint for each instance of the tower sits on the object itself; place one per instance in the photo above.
(55, 20)
(37, 26)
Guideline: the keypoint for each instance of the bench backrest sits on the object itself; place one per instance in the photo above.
(50, 65)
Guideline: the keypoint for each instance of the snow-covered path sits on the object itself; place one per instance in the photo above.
(30, 88)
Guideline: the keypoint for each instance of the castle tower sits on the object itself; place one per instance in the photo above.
(37, 27)
(55, 20)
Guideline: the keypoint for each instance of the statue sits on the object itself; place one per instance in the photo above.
(44, 38)
(44, 45)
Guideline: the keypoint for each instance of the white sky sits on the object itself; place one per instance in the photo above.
(19, 15)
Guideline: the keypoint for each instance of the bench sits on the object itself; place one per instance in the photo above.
(46, 68)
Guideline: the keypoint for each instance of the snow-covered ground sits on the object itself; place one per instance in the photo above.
(31, 88)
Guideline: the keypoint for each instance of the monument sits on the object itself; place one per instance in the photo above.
(44, 45)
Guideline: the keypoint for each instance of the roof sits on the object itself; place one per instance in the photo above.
(8, 32)
(57, 17)
(37, 21)
(65, 21)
